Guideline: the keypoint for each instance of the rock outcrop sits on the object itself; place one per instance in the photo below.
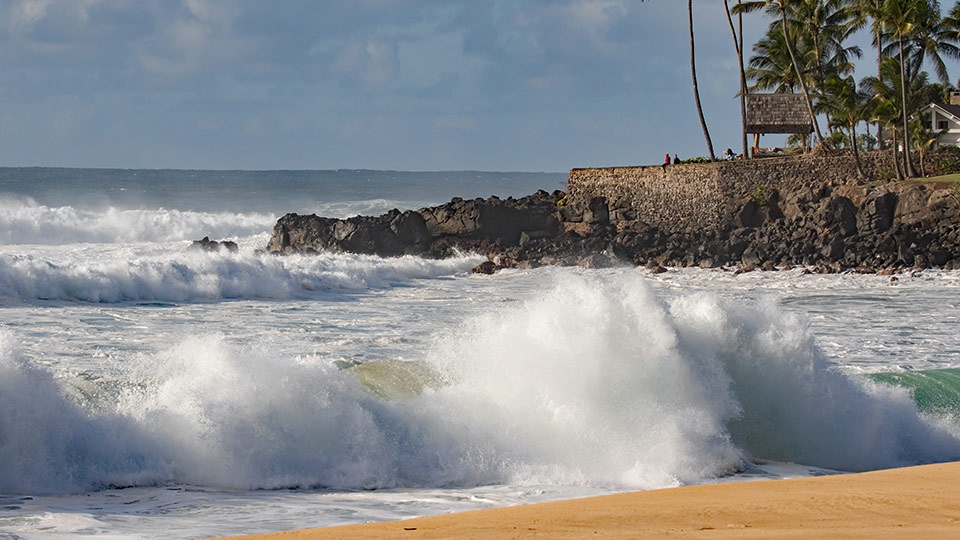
(484, 225)
(207, 244)
(827, 228)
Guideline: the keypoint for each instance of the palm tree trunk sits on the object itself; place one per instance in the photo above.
(696, 91)
(879, 63)
(907, 164)
(738, 46)
(896, 158)
(856, 151)
(796, 67)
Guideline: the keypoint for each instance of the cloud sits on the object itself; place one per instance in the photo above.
(197, 38)
(369, 62)
(593, 18)
(25, 13)
(363, 83)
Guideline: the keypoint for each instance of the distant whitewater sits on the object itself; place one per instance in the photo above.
(243, 392)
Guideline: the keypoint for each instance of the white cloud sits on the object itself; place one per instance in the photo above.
(26, 13)
(594, 17)
(195, 40)
(370, 62)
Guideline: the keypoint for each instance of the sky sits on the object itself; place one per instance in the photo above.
(496, 85)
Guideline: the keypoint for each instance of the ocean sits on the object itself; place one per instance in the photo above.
(152, 390)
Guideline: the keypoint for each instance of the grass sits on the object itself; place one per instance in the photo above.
(947, 178)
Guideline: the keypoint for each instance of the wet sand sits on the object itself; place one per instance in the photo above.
(920, 502)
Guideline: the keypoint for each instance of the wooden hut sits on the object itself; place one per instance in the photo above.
(777, 113)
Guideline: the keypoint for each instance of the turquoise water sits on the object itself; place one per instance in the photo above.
(935, 390)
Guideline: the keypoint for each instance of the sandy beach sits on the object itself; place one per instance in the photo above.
(921, 502)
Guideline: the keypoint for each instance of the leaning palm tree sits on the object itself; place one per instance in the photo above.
(696, 89)
(780, 8)
(738, 47)
(824, 28)
(771, 68)
(872, 11)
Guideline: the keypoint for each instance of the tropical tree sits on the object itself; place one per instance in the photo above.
(824, 27)
(770, 66)
(780, 8)
(696, 90)
(924, 138)
(900, 17)
(846, 105)
(885, 103)
(922, 135)
(887, 91)
(738, 47)
(872, 11)
(932, 38)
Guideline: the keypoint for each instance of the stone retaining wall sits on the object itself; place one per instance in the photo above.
(707, 195)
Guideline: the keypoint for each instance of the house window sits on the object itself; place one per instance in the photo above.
(941, 124)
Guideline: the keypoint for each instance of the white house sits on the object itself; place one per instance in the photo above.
(945, 121)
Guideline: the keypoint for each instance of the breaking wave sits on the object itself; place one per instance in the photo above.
(594, 382)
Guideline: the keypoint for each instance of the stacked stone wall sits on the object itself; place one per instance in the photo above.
(707, 195)
(683, 194)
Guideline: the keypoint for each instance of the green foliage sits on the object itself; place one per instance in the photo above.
(699, 159)
(866, 142)
(760, 195)
(949, 166)
(838, 139)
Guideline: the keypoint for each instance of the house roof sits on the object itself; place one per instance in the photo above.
(952, 110)
(778, 113)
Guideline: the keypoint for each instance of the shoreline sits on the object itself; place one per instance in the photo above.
(922, 501)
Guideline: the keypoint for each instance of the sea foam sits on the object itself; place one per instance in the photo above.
(174, 273)
(597, 381)
(23, 221)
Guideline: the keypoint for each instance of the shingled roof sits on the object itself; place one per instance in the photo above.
(778, 113)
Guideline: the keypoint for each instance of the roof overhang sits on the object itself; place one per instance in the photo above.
(778, 113)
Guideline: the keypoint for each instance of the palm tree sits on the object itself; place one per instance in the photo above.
(933, 37)
(887, 105)
(921, 132)
(872, 10)
(884, 105)
(738, 47)
(770, 65)
(696, 90)
(899, 17)
(846, 105)
(823, 26)
(779, 7)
